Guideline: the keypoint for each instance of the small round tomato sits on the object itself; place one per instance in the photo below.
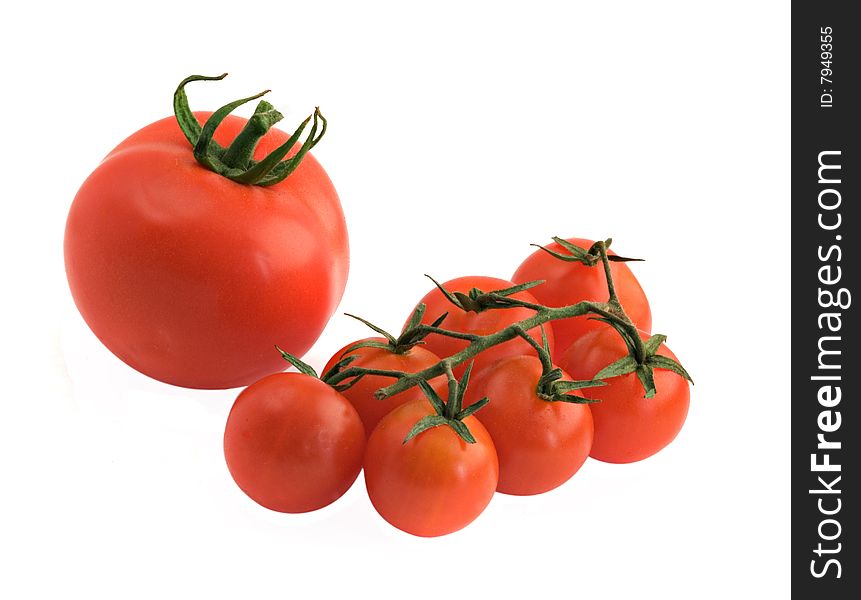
(361, 394)
(292, 443)
(628, 426)
(480, 323)
(435, 483)
(568, 283)
(540, 443)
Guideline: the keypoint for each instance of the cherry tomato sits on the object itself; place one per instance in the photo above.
(628, 426)
(571, 282)
(361, 394)
(292, 443)
(190, 277)
(540, 443)
(435, 483)
(480, 323)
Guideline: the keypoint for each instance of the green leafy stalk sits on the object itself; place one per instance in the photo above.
(551, 387)
(477, 301)
(412, 334)
(341, 371)
(645, 367)
(451, 412)
(235, 162)
(642, 358)
(589, 257)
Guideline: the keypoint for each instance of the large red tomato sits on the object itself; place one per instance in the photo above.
(361, 394)
(190, 277)
(572, 282)
(292, 443)
(480, 323)
(628, 426)
(435, 483)
(540, 443)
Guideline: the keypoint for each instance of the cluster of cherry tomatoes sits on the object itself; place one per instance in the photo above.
(434, 454)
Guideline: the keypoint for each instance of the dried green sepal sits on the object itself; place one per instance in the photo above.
(665, 362)
(449, 412)
(623, 366)
(302, 367)
(235, 162)
(653, 343)
(471, 409)
(425, 423)
(647, 378)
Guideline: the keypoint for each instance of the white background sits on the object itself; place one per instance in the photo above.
(459, 134)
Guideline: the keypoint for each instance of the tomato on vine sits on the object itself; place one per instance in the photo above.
(468, 303)
(572, 272)
(224, 238)
(645, 402)
(402, 355)
(293, 443)
(430, 466)
(542, 432)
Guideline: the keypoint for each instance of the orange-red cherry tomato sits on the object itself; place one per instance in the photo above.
(292, 443)
(540, 443)
(434, 484)
(361, 394)
(628, 426)
(571, 282)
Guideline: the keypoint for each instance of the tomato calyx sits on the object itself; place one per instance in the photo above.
(645, 366)
(235, 162)
(477, 300)
(551, 387)
(412, 334)
(340, 371)
(451, 412)
(590, 257)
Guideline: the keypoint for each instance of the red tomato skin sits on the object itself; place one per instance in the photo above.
(572, 282)
(540, 444)
(628, 426)
(482, 323)
(361, 394)
(292, 443)
(436, 483)
(191, 278)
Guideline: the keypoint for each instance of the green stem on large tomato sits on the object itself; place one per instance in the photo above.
(235, 162)
(241, 151)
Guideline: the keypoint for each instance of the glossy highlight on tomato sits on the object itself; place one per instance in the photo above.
(292, 443)
(190, 277)
(572, 282)
(628, 426)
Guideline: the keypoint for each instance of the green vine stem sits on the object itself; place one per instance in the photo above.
(339, 372)
(610, 312)
(551, 387)
(642, 356)
(235, 162)
(543, 315)
(451, 412)
(613, 301)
